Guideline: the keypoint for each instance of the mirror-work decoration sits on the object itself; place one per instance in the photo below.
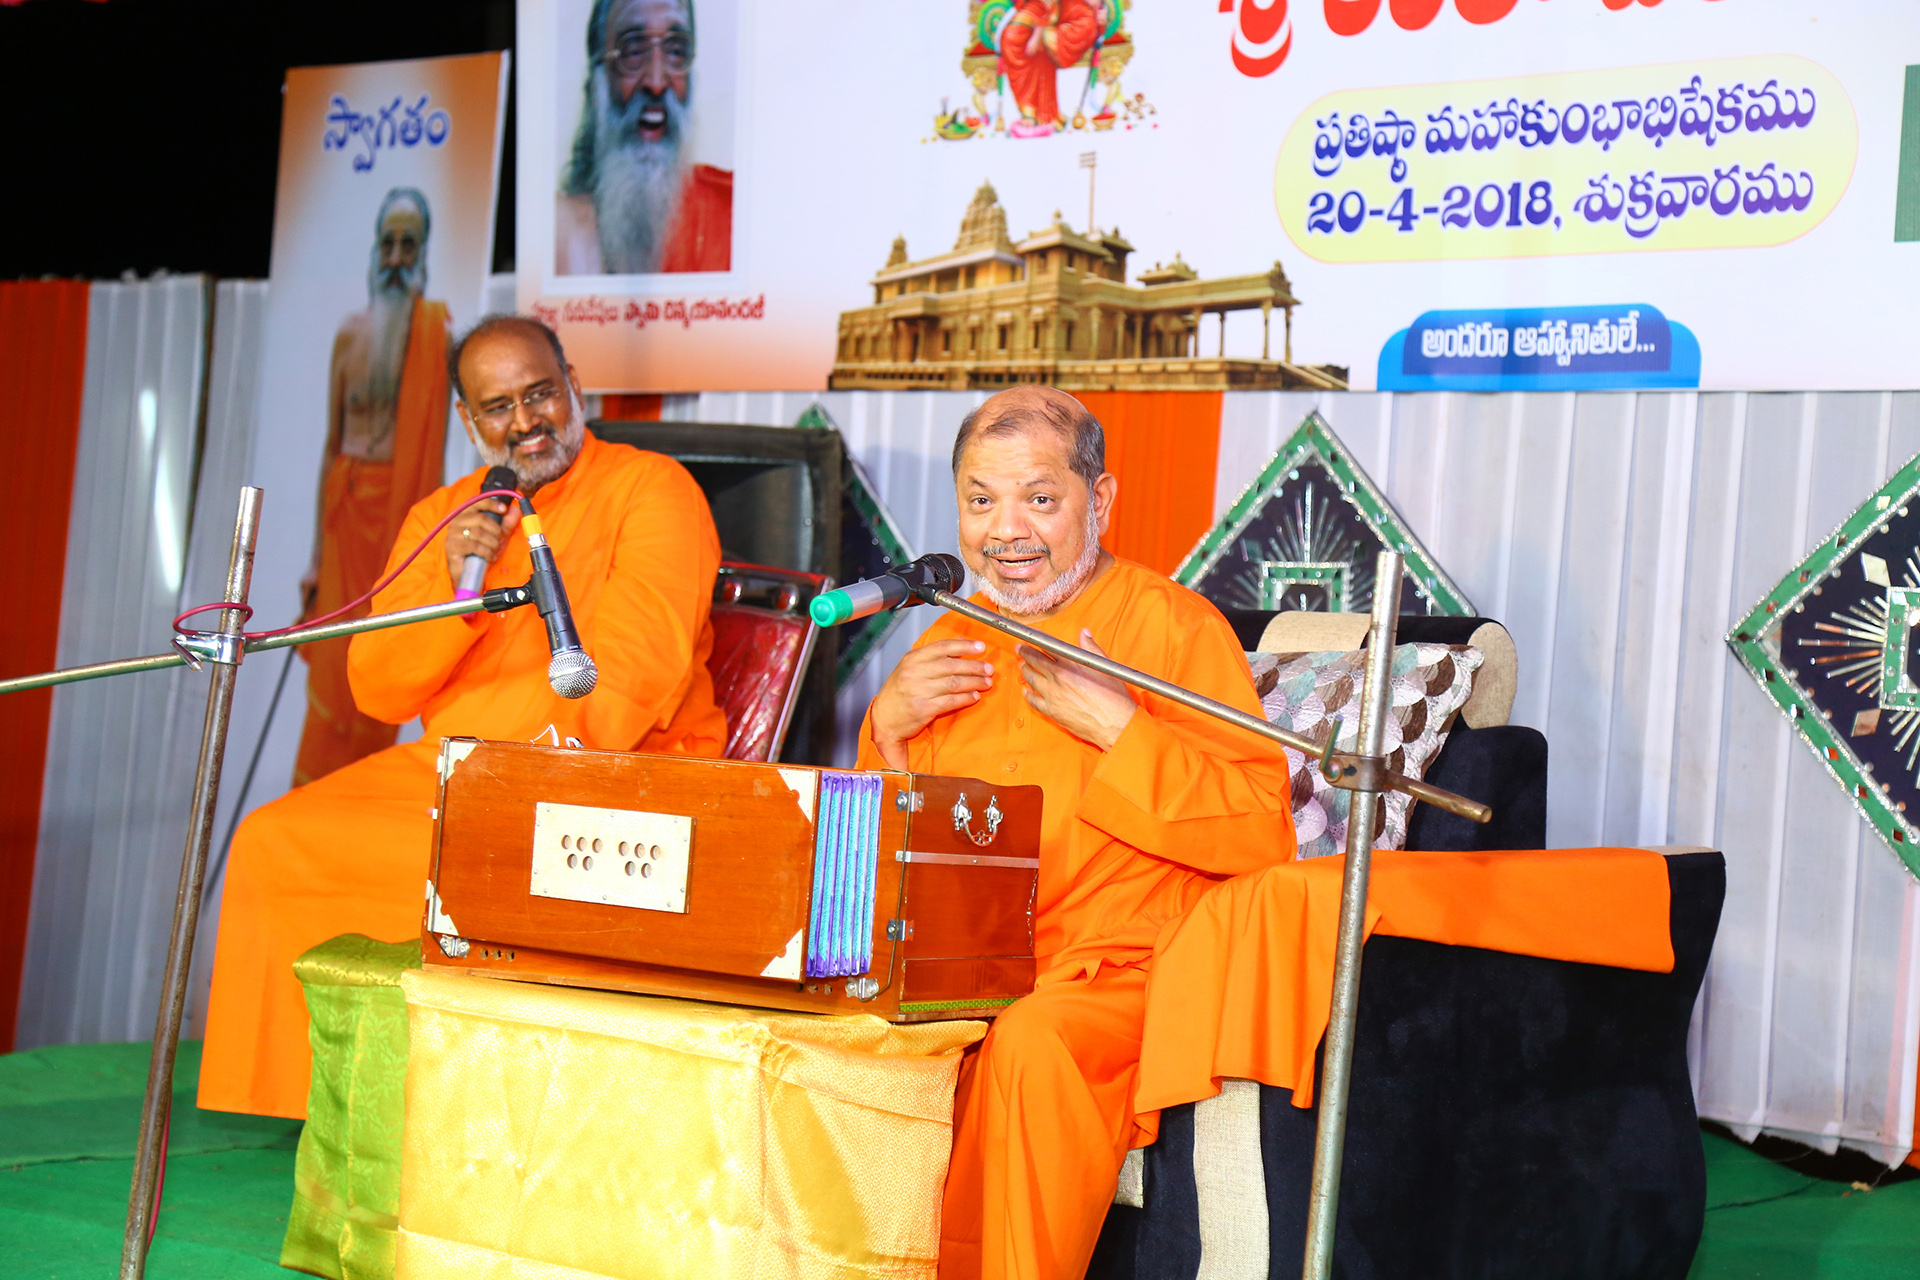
(1304, 536)
(870, 544)
(1834, 645)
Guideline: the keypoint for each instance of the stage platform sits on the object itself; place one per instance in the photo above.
(68, 1117)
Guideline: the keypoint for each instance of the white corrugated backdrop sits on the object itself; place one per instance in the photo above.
(1617, 535)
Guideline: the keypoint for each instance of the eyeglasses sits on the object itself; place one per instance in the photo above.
(631, 54)
(537, 402)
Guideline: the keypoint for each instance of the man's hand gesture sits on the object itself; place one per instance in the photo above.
(930, 681)
(1087, 704)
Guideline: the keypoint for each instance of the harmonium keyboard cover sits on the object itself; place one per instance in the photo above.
(907, 896)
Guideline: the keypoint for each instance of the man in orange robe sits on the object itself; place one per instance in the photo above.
(386, 434)
(1042, 37)
(636, 545)
(1148, 806)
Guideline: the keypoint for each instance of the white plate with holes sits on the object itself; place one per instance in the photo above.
(621, 857)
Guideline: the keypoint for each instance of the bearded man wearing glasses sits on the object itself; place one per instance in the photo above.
(636, 544)
(629, 201)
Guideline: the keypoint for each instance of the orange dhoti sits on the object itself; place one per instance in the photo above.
(1042, 1121)
(293, 882)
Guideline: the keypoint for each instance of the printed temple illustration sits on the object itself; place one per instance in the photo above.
(1057, 308)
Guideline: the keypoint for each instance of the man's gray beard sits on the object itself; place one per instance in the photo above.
(1055, 593)
(636, 184)
(390, 305)
(567, 443)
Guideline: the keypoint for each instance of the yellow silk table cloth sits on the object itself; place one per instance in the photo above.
(554, 1133)
(346, 1174)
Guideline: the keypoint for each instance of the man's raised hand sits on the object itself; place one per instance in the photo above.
(930, 682)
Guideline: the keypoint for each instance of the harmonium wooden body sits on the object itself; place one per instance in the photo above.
(903, 895)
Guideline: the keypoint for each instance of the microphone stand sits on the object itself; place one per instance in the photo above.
(225, 647)
(1363, 772)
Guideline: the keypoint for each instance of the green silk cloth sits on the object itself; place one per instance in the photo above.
(346, 1174)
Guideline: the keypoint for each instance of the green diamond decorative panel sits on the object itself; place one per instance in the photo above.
(870, 544)
(1833, 645)
(1304, 536)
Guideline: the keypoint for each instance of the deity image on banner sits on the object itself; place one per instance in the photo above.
(638, 189)
(386, 432)
(1049, 66)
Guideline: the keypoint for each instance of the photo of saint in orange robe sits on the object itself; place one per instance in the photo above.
(362, 505)
(1131, 838)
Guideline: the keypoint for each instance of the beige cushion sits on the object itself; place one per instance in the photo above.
(1304, 631)
(1309, 631)
(1314, 693)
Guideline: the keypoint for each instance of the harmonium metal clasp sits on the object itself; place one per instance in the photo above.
(963, 820)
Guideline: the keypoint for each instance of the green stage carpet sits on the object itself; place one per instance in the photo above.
(68, 1117)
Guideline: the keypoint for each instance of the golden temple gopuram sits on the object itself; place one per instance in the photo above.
(1056, 308)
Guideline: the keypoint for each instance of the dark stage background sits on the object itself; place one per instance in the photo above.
(143, 135)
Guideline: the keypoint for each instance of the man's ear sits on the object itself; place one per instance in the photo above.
(573, 380)
(466, 420)
(1105, 490)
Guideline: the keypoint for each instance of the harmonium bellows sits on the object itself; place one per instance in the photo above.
(908, 896)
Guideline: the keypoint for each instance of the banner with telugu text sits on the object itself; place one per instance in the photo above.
(382, 242)
(1401, 194)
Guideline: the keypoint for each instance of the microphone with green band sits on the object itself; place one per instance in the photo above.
(895, 589)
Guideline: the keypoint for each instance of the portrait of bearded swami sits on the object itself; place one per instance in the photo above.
(386, 436)
(631, 200)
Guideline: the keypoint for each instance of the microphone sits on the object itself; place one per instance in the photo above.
(894, 589)
(473, 570)
(571, 672)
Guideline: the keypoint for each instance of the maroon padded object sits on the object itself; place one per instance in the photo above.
(762, 639)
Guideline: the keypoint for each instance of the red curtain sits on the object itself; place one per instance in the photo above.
(43, 356)
(1163, 446)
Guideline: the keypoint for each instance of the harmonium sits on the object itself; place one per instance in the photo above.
(907, 896)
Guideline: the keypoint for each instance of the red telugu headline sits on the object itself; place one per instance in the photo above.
(1263, 34)
(641, 312)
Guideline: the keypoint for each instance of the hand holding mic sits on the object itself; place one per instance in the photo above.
(894, 589)
(473, 570)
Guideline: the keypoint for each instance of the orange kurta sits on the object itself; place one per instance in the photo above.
(1131, 838)
(362, 504)
(636, 545)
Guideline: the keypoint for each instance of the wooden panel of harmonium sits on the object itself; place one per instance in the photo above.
(907, 896)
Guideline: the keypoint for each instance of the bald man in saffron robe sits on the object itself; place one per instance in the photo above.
(636, 545)
(1148, 806)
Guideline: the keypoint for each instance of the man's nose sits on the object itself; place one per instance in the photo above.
(653, 76)
(1009, 524)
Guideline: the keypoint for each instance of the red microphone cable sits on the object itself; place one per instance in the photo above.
(350, 606)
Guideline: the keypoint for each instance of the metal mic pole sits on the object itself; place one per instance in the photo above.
(1345, 770)
(1336, 1066)
(229, 649)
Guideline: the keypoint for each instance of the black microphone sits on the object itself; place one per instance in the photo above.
(571, 672)
(894, 589)
(473, 570)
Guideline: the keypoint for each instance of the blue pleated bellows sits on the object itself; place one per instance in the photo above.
(846, 852)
